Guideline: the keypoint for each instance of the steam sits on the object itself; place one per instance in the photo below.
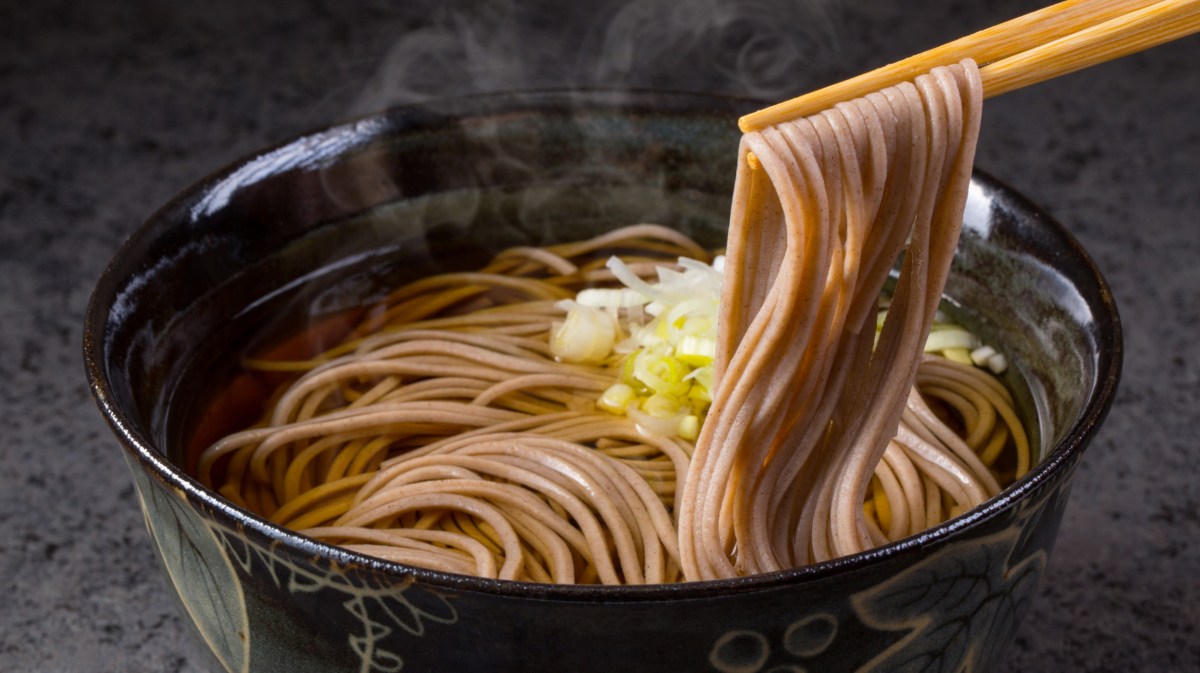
(759, 49)
(756, 48)
(765, 49)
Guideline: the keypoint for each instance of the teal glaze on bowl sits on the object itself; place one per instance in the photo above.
(438, 186)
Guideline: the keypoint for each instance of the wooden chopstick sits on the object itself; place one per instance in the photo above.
(1126, 34)
(1038, 46)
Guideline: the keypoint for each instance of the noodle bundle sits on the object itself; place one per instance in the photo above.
(444, 432)
(807, 403)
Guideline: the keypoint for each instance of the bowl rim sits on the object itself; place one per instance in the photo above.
(141, 449)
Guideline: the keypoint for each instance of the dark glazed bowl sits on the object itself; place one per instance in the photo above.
(438, 186)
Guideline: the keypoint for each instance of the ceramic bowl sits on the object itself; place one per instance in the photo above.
(441, 185)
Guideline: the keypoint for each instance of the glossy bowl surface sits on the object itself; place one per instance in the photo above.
(439, 186)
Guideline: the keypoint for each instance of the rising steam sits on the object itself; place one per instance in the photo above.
(766, 49)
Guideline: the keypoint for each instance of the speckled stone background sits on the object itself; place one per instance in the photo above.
(108, 108)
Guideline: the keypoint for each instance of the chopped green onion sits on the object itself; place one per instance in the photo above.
(697, 351)
(654, 426)
(665, 376)
(689, 427)
(979, 356)
(660, 372)
(958, 338)
(616, 398)
(959, 355)
(585, 336)
(609, 297)
(660, 405)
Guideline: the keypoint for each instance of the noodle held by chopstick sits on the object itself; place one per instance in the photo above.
(806, 403)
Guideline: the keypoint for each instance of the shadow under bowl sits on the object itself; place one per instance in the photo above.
(440, 186)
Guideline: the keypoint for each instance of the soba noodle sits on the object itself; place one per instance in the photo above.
(444, 433)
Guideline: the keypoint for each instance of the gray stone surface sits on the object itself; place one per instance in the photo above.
(107, 109)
